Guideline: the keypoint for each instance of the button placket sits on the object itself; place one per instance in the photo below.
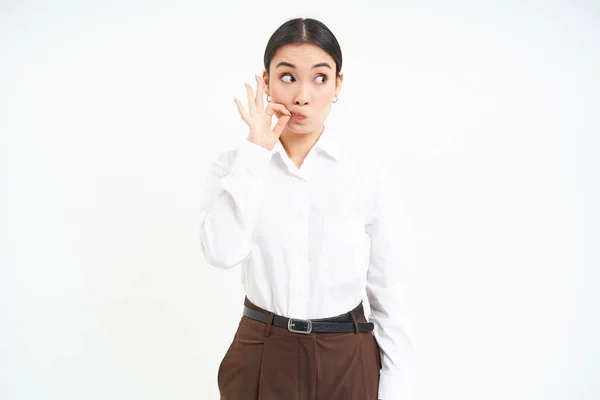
(299, 274)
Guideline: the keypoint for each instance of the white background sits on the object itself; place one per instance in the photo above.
(110, 113)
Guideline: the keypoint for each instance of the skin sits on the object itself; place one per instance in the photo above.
(302, 88)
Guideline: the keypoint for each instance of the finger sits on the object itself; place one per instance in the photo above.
(243, 112)
(280, 111)
(279, 107)
(281, 123)
(250, 96)
(259, 93)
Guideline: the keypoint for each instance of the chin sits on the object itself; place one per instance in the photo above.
(300, 129)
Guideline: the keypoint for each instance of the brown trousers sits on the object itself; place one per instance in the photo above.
(266, 362)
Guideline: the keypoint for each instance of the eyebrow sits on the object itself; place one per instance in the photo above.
(287, 64)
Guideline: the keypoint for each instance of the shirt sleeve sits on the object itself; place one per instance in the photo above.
(386, 282)
(231, 194)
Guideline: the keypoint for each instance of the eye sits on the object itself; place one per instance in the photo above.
(324, 78)
(291, 79)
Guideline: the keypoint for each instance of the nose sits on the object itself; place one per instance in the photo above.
(303, 95)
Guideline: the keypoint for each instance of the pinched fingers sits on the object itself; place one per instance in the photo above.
(272, 107)
(256, 116)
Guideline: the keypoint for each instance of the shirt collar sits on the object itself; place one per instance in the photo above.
(328, 142)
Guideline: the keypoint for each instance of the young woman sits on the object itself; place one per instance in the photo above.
(313, 223)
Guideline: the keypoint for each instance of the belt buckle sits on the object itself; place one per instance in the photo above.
(292, 322)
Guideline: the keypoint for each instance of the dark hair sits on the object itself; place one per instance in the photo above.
(304, 30)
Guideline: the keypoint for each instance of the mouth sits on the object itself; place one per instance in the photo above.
(298, 116)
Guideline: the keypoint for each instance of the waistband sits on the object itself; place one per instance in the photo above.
(347, 322)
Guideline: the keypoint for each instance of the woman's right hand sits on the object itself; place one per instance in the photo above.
(259, 119)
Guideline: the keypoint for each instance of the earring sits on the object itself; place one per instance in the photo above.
(268, 99)
(336, 100)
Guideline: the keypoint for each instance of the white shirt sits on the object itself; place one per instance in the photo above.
(310, 239)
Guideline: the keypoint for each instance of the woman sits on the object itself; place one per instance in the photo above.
(312, 224)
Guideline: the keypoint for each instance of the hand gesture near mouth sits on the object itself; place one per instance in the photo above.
(259, 119)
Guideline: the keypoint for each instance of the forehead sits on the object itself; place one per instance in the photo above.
(303, 55)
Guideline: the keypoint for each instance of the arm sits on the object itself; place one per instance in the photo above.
(231, 196)
(386, 287)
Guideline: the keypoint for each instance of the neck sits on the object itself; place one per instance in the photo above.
(297, 145)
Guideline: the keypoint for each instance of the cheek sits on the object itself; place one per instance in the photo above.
(279, 92)
(325, 110)
(324, 103)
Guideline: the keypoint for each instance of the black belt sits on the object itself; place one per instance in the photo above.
(341, 323)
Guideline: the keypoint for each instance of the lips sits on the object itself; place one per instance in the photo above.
(298, 115)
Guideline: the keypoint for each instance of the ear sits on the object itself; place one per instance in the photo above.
(338, 83)
(266, 79)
